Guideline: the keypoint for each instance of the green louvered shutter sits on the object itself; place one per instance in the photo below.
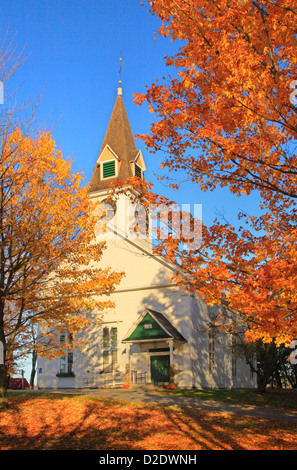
(109, 169)
(138, 171)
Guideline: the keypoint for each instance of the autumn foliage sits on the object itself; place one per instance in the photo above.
(226, 116)
(84, 423)
(49, 272)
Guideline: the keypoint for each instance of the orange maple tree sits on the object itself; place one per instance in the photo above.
(50, 270)
(227, 117)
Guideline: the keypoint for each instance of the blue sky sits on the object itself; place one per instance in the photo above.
(73, 49)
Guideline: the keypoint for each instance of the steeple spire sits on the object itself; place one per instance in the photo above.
(118, 158)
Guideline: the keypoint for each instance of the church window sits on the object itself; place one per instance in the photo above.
(110, 345)
(105, 337)
(114, 359)
(66, 361)
(106, 361)
(234, 357)
(211, 349)
(108, 169)
(137, 170)
(114, 337)
(234, 364)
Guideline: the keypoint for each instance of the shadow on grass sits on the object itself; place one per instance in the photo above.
(82, 423)
(277, 398)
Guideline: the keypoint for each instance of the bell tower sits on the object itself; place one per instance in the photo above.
(118, 160)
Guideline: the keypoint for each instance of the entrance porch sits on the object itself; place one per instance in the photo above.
(150, 349)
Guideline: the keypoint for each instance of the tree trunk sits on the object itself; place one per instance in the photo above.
(262, 382)
(3, 387)
(33, 371)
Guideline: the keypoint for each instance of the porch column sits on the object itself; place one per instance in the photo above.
(127, 376)
(171, 364)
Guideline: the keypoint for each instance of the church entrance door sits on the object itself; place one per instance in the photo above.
(160, 369)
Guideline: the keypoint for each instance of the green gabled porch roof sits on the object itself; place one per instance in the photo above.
(153, 326)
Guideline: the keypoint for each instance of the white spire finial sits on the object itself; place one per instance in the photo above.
(120, 90)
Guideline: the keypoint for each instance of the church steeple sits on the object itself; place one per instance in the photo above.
(118, 158)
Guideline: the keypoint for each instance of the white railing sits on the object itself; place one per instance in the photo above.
(95, 380)
(138, 377)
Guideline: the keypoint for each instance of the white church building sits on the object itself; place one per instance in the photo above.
(156, 333)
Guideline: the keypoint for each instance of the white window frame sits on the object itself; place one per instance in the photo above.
(67, 359)
(110, 351)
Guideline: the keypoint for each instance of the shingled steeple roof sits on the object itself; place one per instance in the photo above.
(119, 139)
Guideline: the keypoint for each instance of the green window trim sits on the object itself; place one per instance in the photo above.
(108, 169)
(137, 170)
(65, 374)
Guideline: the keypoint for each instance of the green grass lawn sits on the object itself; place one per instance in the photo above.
(278, 398)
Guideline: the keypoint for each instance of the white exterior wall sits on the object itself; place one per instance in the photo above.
(129, 306)
(191, 359)
(147, 285)
(221, 375)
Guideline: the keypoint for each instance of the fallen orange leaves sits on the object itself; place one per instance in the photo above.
(80, 423)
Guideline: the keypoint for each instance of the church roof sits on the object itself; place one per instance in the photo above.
(120, 140)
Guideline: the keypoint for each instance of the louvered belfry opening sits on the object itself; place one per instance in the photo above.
(109, 169)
